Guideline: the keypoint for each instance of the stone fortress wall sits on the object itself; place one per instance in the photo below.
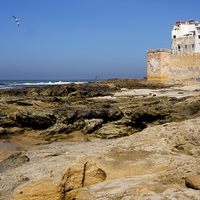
(164, 67)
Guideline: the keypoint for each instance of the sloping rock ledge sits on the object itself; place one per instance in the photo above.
(156, 163)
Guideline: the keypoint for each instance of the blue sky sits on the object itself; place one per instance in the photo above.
(80, 39)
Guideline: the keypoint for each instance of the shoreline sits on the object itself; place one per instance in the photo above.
(31, 140)
(116, 139)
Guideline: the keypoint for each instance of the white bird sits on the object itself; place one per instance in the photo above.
(16, 20)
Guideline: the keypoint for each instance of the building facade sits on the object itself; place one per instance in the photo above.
(182, 63)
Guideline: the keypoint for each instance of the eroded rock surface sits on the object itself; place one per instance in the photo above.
(146, 165)
(133, 141)
(93, 109)
(13, 161)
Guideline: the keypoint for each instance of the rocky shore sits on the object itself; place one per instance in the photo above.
(114, 139)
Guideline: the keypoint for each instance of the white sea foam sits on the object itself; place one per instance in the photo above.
(34, 83)
(48, 83)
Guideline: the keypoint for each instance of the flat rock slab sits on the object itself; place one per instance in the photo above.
(150, 164)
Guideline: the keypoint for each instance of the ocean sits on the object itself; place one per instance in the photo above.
(21, 84)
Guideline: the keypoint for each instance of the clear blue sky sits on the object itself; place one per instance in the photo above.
(80, 39)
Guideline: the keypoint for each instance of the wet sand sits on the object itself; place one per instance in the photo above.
(20, 142)
(15, 144)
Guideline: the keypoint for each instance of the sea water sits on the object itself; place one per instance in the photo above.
(21, 84)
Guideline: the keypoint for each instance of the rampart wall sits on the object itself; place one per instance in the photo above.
(164, 67)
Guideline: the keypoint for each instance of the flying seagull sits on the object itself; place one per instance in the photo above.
(16, 20)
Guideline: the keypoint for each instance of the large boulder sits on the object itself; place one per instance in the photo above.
(89, 119)
(101, 111)
(37, 119)
(60, 128)
(92, 124)
(111, 130)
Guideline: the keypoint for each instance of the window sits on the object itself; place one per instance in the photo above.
(185, 47)
(192, 47)
(178, 47)
(199, 36)
(174, 36)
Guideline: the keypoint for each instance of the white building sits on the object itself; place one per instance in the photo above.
(186, 37)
